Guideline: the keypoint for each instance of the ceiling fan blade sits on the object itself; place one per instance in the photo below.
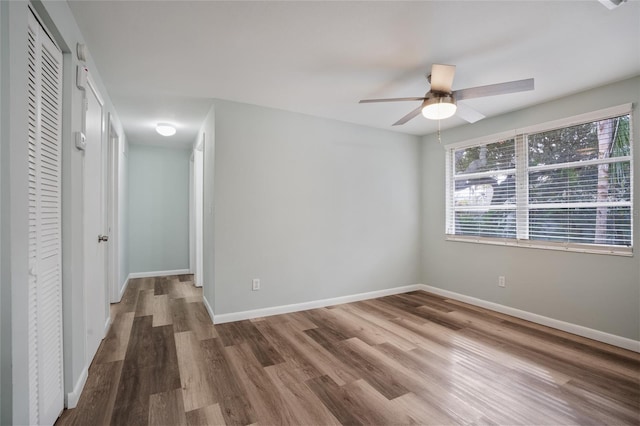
(442, 77)
(468, 114)
(366, 101)
(494, 89)
(413, 114)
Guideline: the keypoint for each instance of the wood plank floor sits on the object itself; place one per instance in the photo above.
(414, 358)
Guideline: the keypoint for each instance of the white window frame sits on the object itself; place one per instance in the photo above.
(522, 184)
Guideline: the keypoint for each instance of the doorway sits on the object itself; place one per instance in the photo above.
(113, 225)
(196, 206)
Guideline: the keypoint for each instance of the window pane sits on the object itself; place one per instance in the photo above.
(597, 183)
(492, 223)
(601, 225)
(494, 156)
(486, 206)
(492, 190)
(588, 141)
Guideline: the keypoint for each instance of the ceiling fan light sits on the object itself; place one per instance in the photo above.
(439, 108)
(165, 129)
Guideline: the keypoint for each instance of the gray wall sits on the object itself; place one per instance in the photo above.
(4, 321)
(158, 209)
(596, 291)
(315, 208)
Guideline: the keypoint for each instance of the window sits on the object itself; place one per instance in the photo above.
(565, 185)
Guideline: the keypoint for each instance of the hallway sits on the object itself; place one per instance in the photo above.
(136, 365)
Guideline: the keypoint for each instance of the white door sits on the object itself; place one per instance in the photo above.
(46, 392)
(94, 224)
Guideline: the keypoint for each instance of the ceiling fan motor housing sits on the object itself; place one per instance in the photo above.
(439, 97)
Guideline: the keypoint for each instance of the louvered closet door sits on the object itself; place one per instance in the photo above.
(46, 392)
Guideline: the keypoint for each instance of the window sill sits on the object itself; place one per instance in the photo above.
(546, 245)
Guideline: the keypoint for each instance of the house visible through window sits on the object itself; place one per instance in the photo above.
(561, 186)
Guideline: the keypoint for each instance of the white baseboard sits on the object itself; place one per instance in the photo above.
(158, 273)
(107, 324)
(73, 397)
(579, 330)
(285, 309)
(209, 309)
(123, 288)
(601, 336)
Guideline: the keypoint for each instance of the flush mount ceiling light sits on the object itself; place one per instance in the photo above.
(165, 129)
(439, 107)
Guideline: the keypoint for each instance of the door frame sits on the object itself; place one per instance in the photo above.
(196, 202)
(192, 215)
(112, 210)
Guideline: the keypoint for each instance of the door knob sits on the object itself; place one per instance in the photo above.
(103, 238)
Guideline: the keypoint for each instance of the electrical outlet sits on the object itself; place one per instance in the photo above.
(501, 281)
(255, 284)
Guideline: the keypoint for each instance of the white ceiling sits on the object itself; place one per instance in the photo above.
(165, 60)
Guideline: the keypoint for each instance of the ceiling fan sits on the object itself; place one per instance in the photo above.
(441, 102)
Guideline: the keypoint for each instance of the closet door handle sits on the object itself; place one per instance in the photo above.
(103, 238)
